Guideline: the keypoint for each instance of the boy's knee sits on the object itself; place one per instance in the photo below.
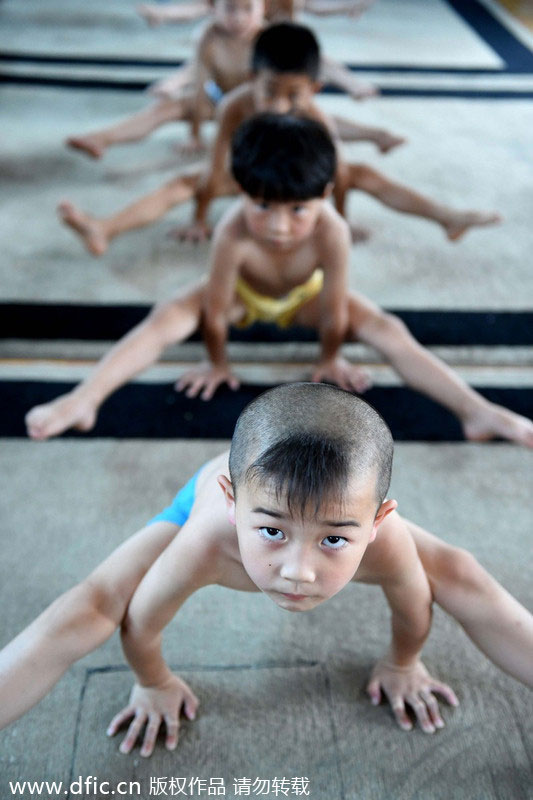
(389, 328)
(165, 317)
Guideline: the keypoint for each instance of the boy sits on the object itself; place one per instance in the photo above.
(279, 255)
(221, 63)
(285, 66)
(298, 511)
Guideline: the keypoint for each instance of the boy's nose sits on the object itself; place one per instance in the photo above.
(297, 570)
(280, 105)
(279, 223)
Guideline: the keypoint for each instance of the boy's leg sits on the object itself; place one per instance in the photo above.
(166, 324)
(96, 233)
(455, 223)
(350, 131)
(333, 72)
(497, 623)
(79, 621)
(421, 370)
(133, 128)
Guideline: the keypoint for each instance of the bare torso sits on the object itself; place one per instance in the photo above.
(273, 271)
(226, 58)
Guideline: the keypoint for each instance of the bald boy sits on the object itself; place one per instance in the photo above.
(297, 510)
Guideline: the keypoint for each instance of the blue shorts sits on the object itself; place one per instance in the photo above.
(213, 91)
(179, 510)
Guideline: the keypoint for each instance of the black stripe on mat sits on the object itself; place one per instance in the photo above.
(36, 321)
(515, 54)
(156, 411)
(141, 86)
(150, 63)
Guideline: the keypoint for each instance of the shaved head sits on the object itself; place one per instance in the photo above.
(308, 441)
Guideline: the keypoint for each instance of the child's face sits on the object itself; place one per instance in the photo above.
(283, 92)
(281, 226)
(241, 18)
(300, 562)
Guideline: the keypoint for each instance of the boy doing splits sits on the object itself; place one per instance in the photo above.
(298, 511)
(279, 255)
(220, 64)
(285, 67)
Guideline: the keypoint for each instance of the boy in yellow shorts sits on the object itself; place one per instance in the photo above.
(271, 243)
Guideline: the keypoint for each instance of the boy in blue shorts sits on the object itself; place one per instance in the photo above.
(297, 510)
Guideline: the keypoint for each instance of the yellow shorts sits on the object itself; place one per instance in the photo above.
(281, 310)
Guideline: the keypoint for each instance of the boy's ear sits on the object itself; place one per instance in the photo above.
(383, 511)
(317, 86)
(229, 495)
(328, 190)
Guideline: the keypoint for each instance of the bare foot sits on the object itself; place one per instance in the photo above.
(87, 144)
(359, 234)
(364, 91)
(150, 14)
(387, 142)
(68, 411)
(88, 228)
(496, 422)
(461, 221)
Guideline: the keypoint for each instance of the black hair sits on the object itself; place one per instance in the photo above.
(306, 468)
(287, 47)
(306, 441)
(282, 157)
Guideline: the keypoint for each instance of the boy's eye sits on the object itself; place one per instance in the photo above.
(272, 534)
(263, 205)
(298, 209)
(334, 542)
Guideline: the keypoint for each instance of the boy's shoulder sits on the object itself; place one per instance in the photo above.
(315, 112)
(391, 556)
(232, 228)
(331, 226)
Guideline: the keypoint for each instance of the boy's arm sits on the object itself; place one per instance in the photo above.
(216, 174)
(220, 294)
(400, 674)
(202, 71)
(334, 243)
(76, 623)
(186, 565)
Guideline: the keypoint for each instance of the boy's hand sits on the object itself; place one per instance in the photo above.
(196, 233)
(206, 379)
(364, 90)
(152, 706)
(341, 372)
(414, 686)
